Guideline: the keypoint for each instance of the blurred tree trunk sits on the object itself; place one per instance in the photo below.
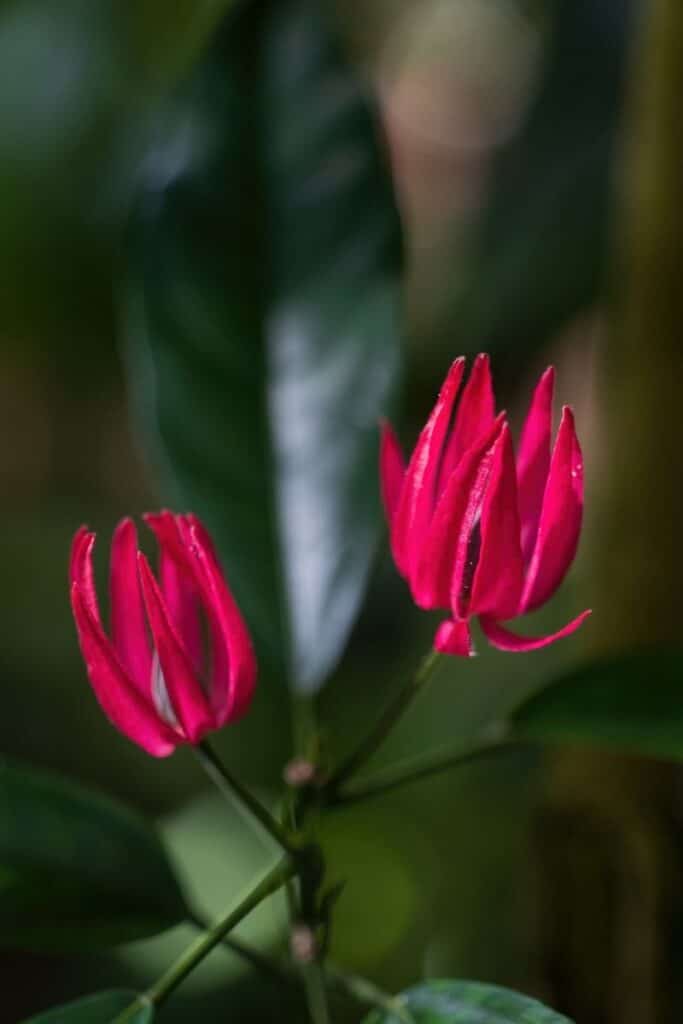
(608, 860)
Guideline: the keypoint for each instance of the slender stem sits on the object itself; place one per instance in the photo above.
(316, 995)
(266, 965)
(403, 775)
(385, 724)
(232, 787)
(199, 949)
(368, 994)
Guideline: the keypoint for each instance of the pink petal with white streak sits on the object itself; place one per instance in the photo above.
(499, 572)
(560, 524)
(128, 621)
(475, 414)
(186, 696)
(418, 495)
(533, 460)
(119, 698)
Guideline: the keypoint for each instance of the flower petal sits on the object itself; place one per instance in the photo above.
(476, 412)
(452, 523)
(502, 638)
(178, 583)
(119, 698)
(233, 678)
(499, 573)
(560, 524)
(418, 495)
(81, 570)
(392, 470)
(454, 638)
(128, 622)
(188, 702)
(533, 460)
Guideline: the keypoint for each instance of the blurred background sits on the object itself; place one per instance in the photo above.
(222, 223)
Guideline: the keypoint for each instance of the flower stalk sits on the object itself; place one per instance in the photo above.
(231, 788)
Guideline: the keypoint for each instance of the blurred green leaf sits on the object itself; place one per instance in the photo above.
(632, 703)
(539, 247)
(77, 870)
(468, 1002)
(263, 321)
(101, 1008)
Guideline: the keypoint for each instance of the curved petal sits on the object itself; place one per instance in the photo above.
(454, 638)
(499, 572)
(431, 583)
(505, 640)
(128, 622)
(475, 415)
(392, 470)
(178, 583)
(119, 698)
(533, 460)
(233, 677)
(418, 494)
(81, 570)
(560, 525)
(187, 700)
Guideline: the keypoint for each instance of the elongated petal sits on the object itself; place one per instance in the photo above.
(128, 622)
(418, 495)
(188, 702)
(476, 412)
(533, 460)
(451, 524)
(560, 525)
(178, 584)
(505, 640)
(454, 638)
(392, 470)
(233, 678)
(120, 699)
(81, 569)
(499, 573)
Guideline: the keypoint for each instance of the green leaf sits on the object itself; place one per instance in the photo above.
(263, 307)
(631, 703)
(101, 1008)
(468, 1002)
(77, 870)
(539, 248)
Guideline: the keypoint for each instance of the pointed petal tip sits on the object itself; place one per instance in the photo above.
(505, 640)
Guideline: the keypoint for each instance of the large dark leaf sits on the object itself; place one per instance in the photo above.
(468, 1002)
(633, 703)
(263, 322)
(77, 870)
(539, 248)
(101, 1008)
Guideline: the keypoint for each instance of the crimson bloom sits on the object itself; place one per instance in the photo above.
(475, 529)
(154, 679)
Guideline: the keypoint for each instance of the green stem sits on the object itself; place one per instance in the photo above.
(316, 995)
(385, 724)
(230, 787)
(260, 962)
(368, 994)
(393, 778)
(199, 949)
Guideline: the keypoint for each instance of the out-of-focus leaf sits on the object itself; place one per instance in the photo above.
(77, 870)
(101, 1008)
(538, 249)
(263, 322)
(632, 703)
(468, 1002)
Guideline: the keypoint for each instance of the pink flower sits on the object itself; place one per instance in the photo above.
(472, 528)
(154, 679)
